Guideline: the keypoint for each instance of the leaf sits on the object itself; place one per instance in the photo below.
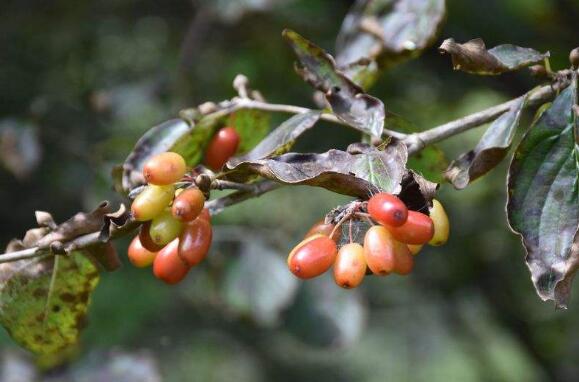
(382, 33)
(473, 57)
(543, 203)
(281, 139)
(430, 161)
(490, 150)
(258, 283)
(251, 125)
(325, 315)
(44, 301)
(359, 174)
(348, 100)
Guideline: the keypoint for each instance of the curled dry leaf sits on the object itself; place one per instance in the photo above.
(473, 57)
(347, 100)
(490, 150)
(543, 203)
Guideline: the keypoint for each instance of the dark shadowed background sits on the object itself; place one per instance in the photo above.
(80, 81)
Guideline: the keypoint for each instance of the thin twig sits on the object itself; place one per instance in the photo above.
(218, 184)
(215, 206)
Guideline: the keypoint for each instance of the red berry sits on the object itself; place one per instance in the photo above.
(146, 240)
(165, 168)
(404, 260)
(138, 255)
(387, 209)
(168, 266)
(418, 229)
(379, 250)
(205, 215)
(188, 205)
(222, 146)
(312, 257)
(325, 229)
(350, 266)
(195, 241)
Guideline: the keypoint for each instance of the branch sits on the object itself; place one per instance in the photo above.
(215, 206)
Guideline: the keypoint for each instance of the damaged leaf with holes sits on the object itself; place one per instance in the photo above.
(543, 203)
(44, 301)
(473, 57)
(378, 34)
(347, 100)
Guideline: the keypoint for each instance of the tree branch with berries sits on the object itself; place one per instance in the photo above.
(169, 177)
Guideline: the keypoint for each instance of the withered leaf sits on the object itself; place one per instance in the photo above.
(473, 57)
(347, 100)
(490, 150)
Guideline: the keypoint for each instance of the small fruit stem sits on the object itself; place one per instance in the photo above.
(350, 231)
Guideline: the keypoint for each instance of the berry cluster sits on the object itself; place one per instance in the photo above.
(176, 232)
(388, 247)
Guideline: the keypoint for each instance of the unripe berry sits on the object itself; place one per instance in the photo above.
(312, 257)
(222, 146)
(188, 205)
(441, 224)
(415, 248)
(151, 202)
(168, 266)
(146, 240)
(195, 241)
(165, 228)
(138, 255)
(325, 229)
(387, 209)
(165, 168)
(379, 248)
(350, 266)
(404, 260)
(418, 229)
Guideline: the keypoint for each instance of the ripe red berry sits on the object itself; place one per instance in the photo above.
(312, 257)
(165, 168)
(168, 266)
(222, 146)
(138, 255)
(418, 229)
(188, 204)
(350, 266)
(205, 215)
(195, 241)
(325, 229)
(404, 260)
(146, 240)
(387, 209)
(379, 250)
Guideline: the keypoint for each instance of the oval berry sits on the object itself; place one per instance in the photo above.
(379, 248)
(165, 168)
(404, 262)
(415, 248)
(205, 215)
(146, 240)
(350, 266)
(441, 224)
(168, 266)
(138, 255)
(151, 202)
(387, 209)
(418, 229)
(165, 228)
(312, 257)
(188, 205)
(195, 241)
(325, 229)
(222, 146)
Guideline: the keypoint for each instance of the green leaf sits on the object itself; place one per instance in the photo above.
(430, 162)
(381, 33)
(348, 101)
(325, 315)
(280, 140)
(360, 174)
(543, 204)
(251, 125)
(44, 301)
(258, 284)
(490, 150)
(473, 57)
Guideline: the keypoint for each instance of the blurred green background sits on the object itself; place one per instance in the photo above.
(80, 81)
